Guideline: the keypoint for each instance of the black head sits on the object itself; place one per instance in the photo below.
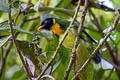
(46, 24)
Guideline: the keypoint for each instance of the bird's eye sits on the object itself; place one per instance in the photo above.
(45, 22)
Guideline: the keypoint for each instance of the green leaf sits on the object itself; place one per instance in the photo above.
(4, 39)
(47, 34)
(18, 75)
(116, 3)
(12, 70)
(44, 33)
(61, 61)
(53, 67)
(64, 3)
(99, 74)
(47, 2)
(3, 5)
(6, 27)
(57, 64)
(113, 75)
(67, 5)
(48, 48)
(65, 57)
(82, 55)
(28, 50)
(118, 27)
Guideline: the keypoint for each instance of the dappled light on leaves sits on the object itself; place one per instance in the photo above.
(79, 39)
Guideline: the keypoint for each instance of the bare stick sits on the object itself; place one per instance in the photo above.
(14, 41)
(113, 49)
(17, 16)
(95, 5)
(38, 17)
(55, 9)
(97, 48)
(77, 39)
(4, 58)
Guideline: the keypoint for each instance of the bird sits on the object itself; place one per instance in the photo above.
(59, 26)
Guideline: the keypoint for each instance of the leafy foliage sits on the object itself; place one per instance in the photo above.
(3, 6)
(38, 47)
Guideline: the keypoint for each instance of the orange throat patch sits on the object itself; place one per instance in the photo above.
(56, 29)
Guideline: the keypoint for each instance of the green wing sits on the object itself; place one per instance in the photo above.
(64, 23)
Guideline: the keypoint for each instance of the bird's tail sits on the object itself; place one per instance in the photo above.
(97, 58)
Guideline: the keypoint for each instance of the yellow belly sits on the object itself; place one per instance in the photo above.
(69, 41)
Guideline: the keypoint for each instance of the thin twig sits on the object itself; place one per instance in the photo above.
(60, 43)
(29, 5)
(96, 5)
(112, 49)
(96, 21)
(77, 39)
(14, 41)
(4, 57)
(68, 11)
(97, 48)
(17, 16)
(102, 34)
(38, 17)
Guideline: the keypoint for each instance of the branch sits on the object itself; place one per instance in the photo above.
(17, 16)
(60, 43)
(55, 9)
(38, 17)
(113, 49)
(94, 5)
(29, 5)
(14, 41)
(4, 57)
(77, 38)
(8, 48)
(98, 47)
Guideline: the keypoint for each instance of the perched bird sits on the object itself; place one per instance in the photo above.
(59, 26)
